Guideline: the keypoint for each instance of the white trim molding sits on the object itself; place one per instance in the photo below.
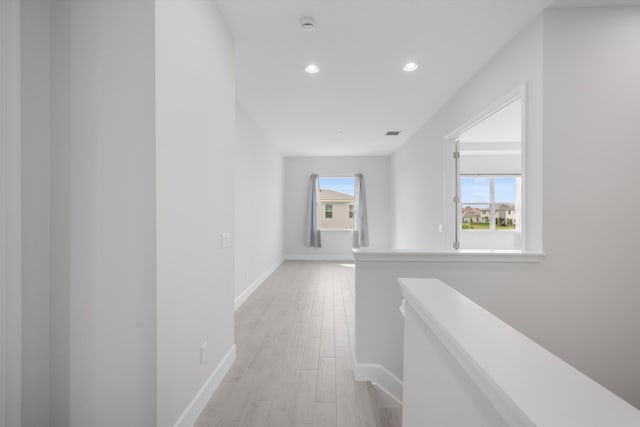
(319, 257)
(195, 407)
(463, 255)
(244, 296)
(520, 91)
(450, 179)
(380, 377)
(525, 383)
(10, 225)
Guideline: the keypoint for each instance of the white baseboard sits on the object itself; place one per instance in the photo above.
(256, 284)
(381, 377)
(195, 407)
(319, 257)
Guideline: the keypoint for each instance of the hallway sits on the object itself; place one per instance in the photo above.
(294, 365)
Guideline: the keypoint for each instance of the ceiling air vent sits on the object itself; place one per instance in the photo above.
(393, 133)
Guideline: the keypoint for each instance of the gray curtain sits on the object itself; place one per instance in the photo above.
(360, 227)
(312, 232)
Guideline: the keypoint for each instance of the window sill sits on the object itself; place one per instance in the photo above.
(336, 229)
(462, 255)
(492, 231)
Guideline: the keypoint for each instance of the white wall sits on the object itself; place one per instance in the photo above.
(60, 116)
(335, 244)
(195, 197)
(103, 213)
(259, 204)
(418, 167)
(36, 176)
(591, 111)
(581, 302)
(10, 216)
(135, 136)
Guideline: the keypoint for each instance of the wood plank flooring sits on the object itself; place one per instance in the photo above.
(294, 364)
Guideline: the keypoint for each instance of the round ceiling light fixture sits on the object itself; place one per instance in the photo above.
(312, 68)
(410, 66)
(307, 23)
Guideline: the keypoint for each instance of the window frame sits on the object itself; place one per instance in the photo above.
(451, 182)
(328, 211)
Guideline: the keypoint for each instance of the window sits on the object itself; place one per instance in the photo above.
(336, 202)
(328, 211)
(488, 179)
(489, 202)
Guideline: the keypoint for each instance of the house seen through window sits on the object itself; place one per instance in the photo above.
(336, 203)
(489, 202)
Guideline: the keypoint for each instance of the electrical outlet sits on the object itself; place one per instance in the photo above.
(226, 239)
(439, 228)
(203, 353)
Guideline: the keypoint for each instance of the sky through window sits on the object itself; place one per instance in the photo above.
(344, 185)
(478, 189)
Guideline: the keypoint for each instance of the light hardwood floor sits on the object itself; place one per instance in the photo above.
(294, 363)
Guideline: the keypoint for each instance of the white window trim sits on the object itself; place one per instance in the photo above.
(10, 226)
(450, 180)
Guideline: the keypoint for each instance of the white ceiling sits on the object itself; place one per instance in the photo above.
(361, 46)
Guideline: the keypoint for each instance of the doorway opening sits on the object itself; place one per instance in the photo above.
(488, 178)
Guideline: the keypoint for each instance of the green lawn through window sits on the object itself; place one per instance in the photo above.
(485, 226)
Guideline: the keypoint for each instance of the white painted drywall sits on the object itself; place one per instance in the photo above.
(418, 167)
(103, 213)
(490, 164)
(36, 178)
(581, 302)
(335, 244)
(461, 360)
(10, 216)
(195, 93)
(591, 127)
(451, 397)
(259, 203)
(60, 116)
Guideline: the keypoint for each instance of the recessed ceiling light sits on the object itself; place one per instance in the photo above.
(312, 68)
(410, 66)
